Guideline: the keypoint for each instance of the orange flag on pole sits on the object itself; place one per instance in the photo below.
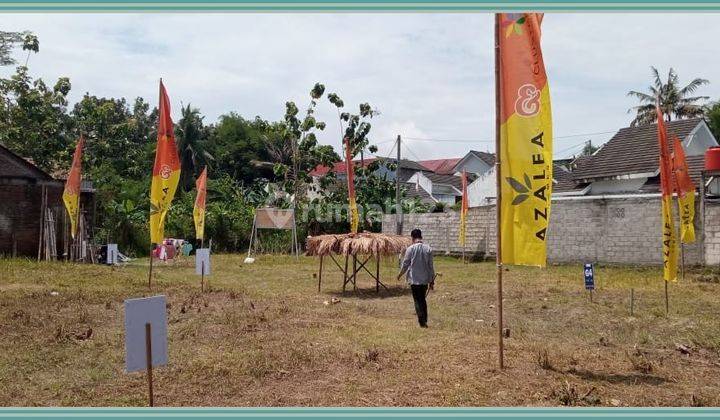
(463, 209)
(685, 191)
(166, 171)
(71, 194)
(352, 209)
(199, 209)
(670, 247)
(525, 128)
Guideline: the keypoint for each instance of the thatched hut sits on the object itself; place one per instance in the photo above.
(361, 247)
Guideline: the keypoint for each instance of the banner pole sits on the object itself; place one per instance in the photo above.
(498, 200)
(682, 260)
(148, 359)
(151, 267)
(667, 300)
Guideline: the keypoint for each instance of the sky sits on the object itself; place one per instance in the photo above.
(430, 75)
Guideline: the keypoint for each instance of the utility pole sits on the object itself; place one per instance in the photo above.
(398, 204)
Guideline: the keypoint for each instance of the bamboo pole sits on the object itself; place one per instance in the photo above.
(202, 276)
(42, 221)
(377, 269)
(151, 267)
(320, 273)
(498, 200)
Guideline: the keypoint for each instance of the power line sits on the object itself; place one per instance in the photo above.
(492, 141)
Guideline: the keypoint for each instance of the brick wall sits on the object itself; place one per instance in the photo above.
(712, 233)
(611, 230)
(20, 216)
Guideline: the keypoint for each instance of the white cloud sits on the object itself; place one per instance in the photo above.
(431, 75)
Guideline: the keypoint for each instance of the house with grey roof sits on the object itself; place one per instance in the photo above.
(629, 162)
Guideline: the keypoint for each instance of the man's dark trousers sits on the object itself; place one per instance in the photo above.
(419, 291)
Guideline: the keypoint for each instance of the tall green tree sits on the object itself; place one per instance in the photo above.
(192, 146)
(235, 143)
(294, 147)
(11, 40)
(712, 114)
(33, 118)
(676, 101)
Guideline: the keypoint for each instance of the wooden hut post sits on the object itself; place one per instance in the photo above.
(345, 276)
(320, 273)
(354, 276)
(377, 269)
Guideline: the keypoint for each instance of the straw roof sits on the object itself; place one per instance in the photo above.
(357, 243)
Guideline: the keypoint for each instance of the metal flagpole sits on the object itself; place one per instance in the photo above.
(498, 250)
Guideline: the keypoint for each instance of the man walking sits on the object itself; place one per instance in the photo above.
(418, 264)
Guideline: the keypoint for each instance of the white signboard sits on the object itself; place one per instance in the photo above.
(202, 261)
(139, 312)
(111, 256)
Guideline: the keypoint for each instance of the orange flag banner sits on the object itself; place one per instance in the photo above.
(525, 140)
(670, 246)
(199, 209)
(463, 209)
(685, 191)
(352, 209)
(71, 194)
(166, 171)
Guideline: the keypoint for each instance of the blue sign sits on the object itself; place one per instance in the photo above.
(589, 277)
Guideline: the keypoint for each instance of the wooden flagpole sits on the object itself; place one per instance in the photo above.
(149, 364)
(667, 299)
(498, 200)
(202, 276)
(151, 266)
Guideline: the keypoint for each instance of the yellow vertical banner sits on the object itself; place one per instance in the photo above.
(525, 141)
(352, 203)
(166, 170)
(463, 210)
(71, 193)
(199, 208)
(685, 191)
(669, 236)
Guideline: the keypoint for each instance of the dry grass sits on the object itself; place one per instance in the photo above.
(263, 337)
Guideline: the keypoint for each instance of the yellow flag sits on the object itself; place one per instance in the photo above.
(669, 240)
(352, 208)
(71, 194)
(525, 140)
(687, 214)
(199, 209)
(685, 191)
(166, 171)
(463, 210)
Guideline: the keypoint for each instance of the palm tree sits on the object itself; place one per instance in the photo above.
(191, 146)
(675, 102)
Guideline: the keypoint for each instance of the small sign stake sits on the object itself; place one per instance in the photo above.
(148, 358)
(589, 272)
(202, 265)
(146, 337)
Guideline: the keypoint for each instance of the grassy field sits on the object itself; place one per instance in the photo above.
(263, 336)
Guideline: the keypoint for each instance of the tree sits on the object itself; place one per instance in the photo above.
(294, 148)
(33, 119)
(236, 142)
(10, 40)
(588, 149)
(118, 138)
(192, 146)
(712, 114)
(675, 101)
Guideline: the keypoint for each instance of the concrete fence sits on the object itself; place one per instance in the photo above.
(607, 229)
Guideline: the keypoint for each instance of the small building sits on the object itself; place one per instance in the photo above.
(628, 163)
(30, 196)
